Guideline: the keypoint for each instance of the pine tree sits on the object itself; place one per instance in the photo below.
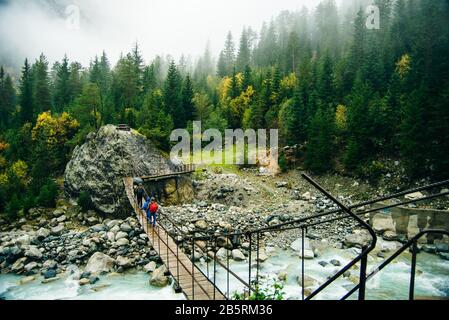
(62, 94)
(41, 86)
(247, 78)
(234, 88)
(320, 142)
(7, 99)
(26, 95)
(244, 54)
(187, 100)
(172, 96)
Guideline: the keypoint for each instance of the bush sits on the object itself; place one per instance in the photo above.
(85, 202)
(13, 207)
(47, 195)
(283, 162)
(273, 291)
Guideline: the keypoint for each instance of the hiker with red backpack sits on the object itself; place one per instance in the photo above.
(151, 208)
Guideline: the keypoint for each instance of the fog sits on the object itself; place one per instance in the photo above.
(173, 27)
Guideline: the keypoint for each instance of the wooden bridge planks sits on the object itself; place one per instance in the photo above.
(194, 284)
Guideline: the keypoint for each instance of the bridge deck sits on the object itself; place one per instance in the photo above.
(194, 284)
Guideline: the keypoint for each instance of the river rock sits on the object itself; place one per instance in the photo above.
(125, 227)
(308, 250)
(237, 255)
(359, 240)
(222, 254)
(122, 242)
(18, 264)
(57, 231)
(150, 267)
(308, 281)
(23, 240)
(27, 280)
(201, 224)
(42, 233)
(33, 252)
(123, 262)
(158, 278)
(30, 266)
(99, 165)
(121, 235)
(49, 274)
(414, 196)
(100, 263)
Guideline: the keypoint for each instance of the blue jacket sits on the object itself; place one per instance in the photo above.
(146, 206)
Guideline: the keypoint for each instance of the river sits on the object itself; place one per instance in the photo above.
(432, 280)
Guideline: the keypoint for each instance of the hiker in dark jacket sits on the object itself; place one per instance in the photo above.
(140, 193)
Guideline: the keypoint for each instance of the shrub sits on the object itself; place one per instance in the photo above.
(84, 201)
(47, 195)
(273, 291)
(13, 207)
(283, 165)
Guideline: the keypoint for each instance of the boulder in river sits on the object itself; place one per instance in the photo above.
(158, 278)
(99, 263)
(98, 167)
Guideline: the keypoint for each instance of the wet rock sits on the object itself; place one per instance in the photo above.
(237, 255)
(122, 242)
(150, 267)
(158, 278)
(359, 239)
(33, 252)
(123, 262)
(335, 263)
(100, 263)
(308, 281)
(27, 280)
(51, 273)
(121, 235)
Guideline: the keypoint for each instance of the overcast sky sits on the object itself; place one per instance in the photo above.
(28, 28)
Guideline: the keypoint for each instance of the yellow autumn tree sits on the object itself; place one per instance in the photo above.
(403, 66)
(51, 134)
(239, 105)
(341, 118)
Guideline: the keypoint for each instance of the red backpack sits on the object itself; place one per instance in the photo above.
(154, 207)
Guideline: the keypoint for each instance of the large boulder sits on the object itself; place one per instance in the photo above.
(98, 167)
(158, 278)
(99, 263)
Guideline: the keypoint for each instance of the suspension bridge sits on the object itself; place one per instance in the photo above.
(179, 252)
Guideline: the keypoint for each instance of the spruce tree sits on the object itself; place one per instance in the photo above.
(26, 95)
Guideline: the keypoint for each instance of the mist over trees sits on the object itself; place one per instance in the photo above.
(351, 95)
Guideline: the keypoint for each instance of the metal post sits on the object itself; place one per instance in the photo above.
(257, 266)
(227, 272)
(215, 265)
(168, 258)
(363, 264)
(177, 261)
(249, 263)
(193, 267)
(413, 271)
(302, 263)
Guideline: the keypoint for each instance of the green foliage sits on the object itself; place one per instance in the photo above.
(85, 202)
(13, 207)
(320, 143)
(270, 292)
(47, 195)
(283, 162)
